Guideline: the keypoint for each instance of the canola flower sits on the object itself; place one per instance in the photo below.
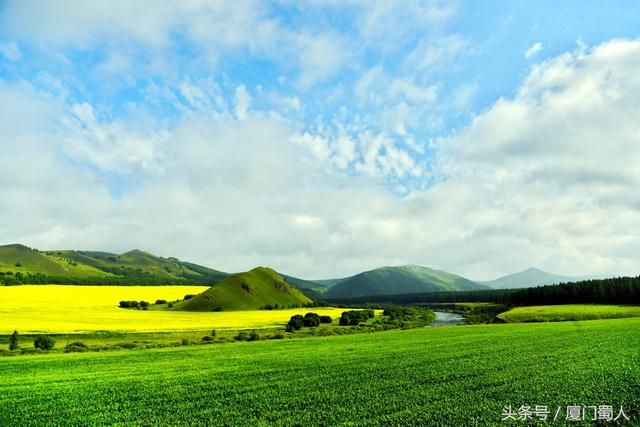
(70, 309)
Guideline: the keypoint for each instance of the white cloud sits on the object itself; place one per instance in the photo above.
(547, 178)
(243, 102)
(533, 50)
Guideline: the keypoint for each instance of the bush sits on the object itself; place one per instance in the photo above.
(296, 322)
(254, 336)
(214, 333)
(143, 305)
(76, 347)
(242, 336)
(207, 339)
(184, 341)
(161, 301)
(325, 319)
(188, 296)
(355, 317)
(311, 319)
(278, 336)
(127, 345)
(44, 342)
(128, 304)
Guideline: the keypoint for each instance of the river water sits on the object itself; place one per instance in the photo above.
(447, 319)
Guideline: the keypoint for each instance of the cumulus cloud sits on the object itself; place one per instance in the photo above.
(533, 50)
(544, 178)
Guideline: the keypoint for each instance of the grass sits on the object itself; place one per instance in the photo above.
(70, 309)
(446, 376)
(556, 313)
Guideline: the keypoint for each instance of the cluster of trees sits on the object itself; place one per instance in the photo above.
(398, 313)
(308, 320)
(620, 290)
(140, 305)
(42, 342)
(355, 317)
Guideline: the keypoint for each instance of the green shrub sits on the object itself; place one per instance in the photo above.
(207, 338)
(184, 341)
(254, 336)
(296, 322)
(127, 345)
(44, 342)
(161, 301)
(242, 336)
(128, 304)
(325, 319)
(311, 320)
(76, 347)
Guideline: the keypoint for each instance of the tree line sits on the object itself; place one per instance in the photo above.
(619, 290)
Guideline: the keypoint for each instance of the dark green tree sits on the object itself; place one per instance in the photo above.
(44, 342)
(13, 341)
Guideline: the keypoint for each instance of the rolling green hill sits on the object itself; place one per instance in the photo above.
(26, 265)
(21, 259)
(247, 291)
(406, 279)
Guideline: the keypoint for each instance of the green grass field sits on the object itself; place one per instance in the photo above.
(558, 313)
(450, 376)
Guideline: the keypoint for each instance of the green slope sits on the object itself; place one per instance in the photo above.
(406, 279)
(246, 291)
(136, 266)
(21, 259)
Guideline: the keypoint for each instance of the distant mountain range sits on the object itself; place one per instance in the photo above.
(20, 264)
(530, 278)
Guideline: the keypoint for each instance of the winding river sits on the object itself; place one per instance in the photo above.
(447, 319)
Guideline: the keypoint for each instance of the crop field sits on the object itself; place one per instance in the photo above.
(557, 313)
(57, 309)
(462, 375)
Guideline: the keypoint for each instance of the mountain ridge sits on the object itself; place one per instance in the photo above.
(391, 280)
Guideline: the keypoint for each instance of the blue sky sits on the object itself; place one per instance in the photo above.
(224, 107)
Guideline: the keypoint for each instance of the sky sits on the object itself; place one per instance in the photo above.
(323, 138)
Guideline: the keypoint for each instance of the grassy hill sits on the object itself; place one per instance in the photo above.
(247, 291)
(530, 278)
(406, 279)
(24, 260)
(26, 265)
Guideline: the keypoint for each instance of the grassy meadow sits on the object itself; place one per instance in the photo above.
(60, 309)
(557, 313)
(447, 376)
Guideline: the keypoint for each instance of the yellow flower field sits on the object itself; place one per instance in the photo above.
(69, 309)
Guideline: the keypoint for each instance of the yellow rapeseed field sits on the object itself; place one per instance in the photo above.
(69, 309)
